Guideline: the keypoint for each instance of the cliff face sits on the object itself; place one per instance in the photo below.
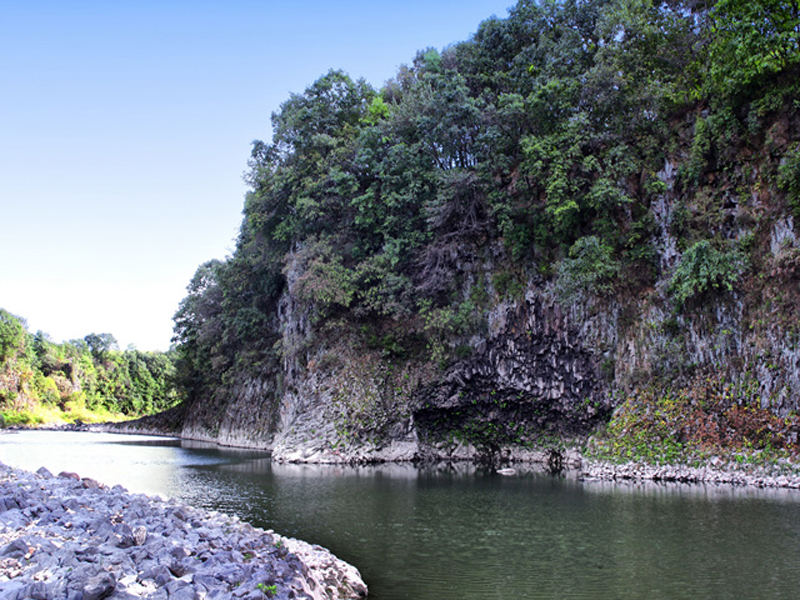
(244, 417)
(584, 214)
(535, 372)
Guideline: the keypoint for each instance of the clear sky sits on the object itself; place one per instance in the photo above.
(125, 128)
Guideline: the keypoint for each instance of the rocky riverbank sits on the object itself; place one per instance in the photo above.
(70, 538)
(780, 473)
(712, 473)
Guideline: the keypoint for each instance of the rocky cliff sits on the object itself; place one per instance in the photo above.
(584, 217)
(536, 373)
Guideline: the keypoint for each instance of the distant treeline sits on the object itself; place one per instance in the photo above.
(80, 379)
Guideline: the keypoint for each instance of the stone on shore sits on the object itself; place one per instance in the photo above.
(713, 473)
(70, 538)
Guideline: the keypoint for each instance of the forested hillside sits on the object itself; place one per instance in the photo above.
(588, 208)
(80, 380)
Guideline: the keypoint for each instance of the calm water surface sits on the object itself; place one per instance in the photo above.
(463, 533)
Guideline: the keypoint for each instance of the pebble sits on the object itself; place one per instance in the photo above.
(72, 538)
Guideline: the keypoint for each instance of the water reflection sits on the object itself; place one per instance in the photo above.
(460, 532)
(704, 491)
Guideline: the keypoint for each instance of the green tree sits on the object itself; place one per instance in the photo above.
(590, 269)
(753, 39)
(13, 334)
(101, 343)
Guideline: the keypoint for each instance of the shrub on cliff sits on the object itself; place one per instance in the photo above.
(703, 268)
(590, 269)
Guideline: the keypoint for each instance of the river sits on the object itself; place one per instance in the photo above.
(444, 533)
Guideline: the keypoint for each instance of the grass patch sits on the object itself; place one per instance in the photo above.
(42, 415)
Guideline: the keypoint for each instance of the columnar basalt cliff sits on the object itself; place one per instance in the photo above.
(532, 378)
(517, 242)
(539, 373)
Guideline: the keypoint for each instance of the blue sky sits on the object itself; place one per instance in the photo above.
(125, 128)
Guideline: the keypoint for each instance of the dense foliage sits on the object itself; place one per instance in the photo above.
(80, 379)
(542, 135)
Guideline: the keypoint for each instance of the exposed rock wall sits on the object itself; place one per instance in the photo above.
(532, 375)
(243, 416)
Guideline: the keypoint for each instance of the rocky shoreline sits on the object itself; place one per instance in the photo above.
(747, 475)
(70, 538)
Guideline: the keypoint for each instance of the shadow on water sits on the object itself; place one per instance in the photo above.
(444, 531)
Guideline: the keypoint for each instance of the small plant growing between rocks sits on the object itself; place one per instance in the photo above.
(268, 590)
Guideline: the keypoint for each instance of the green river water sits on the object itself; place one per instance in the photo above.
(462, 533)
